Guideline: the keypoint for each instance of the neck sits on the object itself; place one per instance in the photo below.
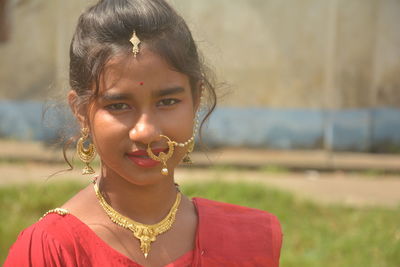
(147, 204)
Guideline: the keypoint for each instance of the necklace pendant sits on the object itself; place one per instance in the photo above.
(145, 241)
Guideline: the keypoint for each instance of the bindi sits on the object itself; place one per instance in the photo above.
(141, 83)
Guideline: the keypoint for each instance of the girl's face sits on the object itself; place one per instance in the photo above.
(139, 99)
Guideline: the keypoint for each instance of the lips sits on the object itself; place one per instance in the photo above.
(142, 159)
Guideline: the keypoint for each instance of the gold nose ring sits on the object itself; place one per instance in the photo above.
(162, 156)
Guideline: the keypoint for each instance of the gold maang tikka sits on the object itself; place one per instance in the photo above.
(85, 154)
(135, 41)
(164, 157)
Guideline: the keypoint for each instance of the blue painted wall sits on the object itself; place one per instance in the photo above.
(375, 130)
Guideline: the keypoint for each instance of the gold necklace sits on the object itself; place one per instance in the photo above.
(146, 233)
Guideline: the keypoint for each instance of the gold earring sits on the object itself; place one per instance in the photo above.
(186, 159)
(190, 143)
(85, 154)
(162, 157)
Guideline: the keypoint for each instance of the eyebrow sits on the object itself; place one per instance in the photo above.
(168, 91)
(115, 96)
(155, 94)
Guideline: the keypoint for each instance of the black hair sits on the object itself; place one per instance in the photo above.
(104, 31)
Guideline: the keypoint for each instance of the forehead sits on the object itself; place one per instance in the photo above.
(147, 69)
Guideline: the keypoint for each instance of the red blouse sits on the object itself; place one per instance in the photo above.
(227, 235)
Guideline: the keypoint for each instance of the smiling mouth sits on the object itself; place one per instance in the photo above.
(143, 153)
(142, 159)
(142, 156)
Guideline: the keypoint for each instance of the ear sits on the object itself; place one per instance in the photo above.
(76, 109)
(198, 96)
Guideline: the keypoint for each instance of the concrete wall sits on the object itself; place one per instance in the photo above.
(34, 59)
(306, 54)
(27, 58)
(4, 21)
(312, 53)
(314, 73)
(366, 130)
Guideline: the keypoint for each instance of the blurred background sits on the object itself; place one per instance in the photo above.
(309, 109)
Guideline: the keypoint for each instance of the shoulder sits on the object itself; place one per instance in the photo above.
(51, 227)
(48, 242)
(223, 210)
(241, 233)
(59, 226)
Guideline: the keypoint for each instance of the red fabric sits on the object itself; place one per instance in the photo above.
(231, 235)
(227, 235)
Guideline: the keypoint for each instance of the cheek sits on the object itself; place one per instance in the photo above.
(106, 130)
(182, 121)
(104, 117)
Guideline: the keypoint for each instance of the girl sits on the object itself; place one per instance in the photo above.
(137, 84)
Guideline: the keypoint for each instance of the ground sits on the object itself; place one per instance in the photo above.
(345, 178)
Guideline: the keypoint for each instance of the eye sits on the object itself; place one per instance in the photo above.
(117, 106)
(168, 102)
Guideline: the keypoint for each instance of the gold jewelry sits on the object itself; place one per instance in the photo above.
(85, 154)
(190, 143)
(162, 157)
(59, 211)
(146, 233)
(186, 159)
(135, 41)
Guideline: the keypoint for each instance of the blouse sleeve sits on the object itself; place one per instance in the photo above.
(277, 236)
(34, 247)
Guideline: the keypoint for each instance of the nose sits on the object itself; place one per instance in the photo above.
(145, 130)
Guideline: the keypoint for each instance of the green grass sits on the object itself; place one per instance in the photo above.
(274, 169)
(314, 235)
